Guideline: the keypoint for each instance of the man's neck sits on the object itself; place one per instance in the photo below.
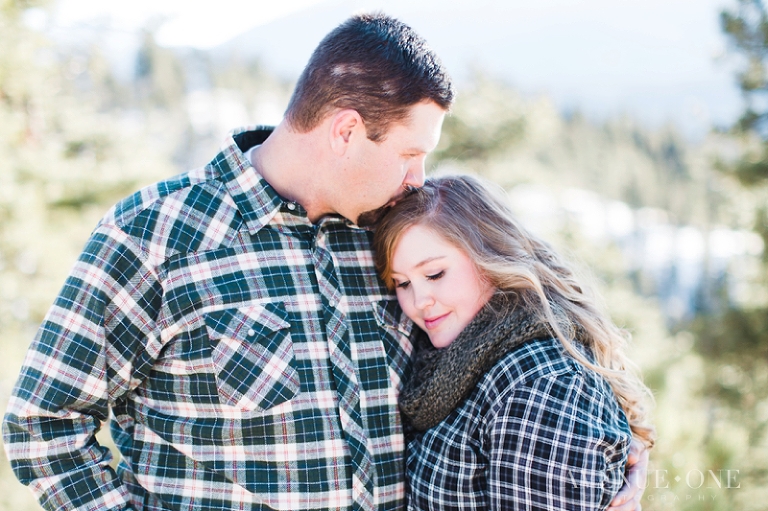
(293, 165)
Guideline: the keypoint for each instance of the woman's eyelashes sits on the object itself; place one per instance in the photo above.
(434, 276)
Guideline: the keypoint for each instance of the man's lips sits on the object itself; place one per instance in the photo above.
(434, 322)
(394, 200)
(407, 190)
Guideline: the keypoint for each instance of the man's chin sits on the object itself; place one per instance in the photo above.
(369, 219)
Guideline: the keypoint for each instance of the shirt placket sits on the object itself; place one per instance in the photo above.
(345, 373)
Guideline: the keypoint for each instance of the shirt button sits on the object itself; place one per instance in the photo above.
(291, 206)
(251, 332)
(332, 303)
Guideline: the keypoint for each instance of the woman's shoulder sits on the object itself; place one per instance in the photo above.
(529, 361)
(543, 370)
(540, 381)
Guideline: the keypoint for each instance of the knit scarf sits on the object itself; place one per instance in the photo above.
(441, 379)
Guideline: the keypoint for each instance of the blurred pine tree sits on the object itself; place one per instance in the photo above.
(733, 340)
(65, 156)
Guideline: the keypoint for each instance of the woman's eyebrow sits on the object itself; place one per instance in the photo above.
(422, 263)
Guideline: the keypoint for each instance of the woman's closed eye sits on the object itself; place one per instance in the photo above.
(406, 283)
(436, 276)
(402, 285)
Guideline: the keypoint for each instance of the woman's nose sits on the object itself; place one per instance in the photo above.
(422, 298)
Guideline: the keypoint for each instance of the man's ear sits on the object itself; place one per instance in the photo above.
(345, 126)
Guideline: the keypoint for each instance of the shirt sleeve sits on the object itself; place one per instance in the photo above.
(91, 348)
(556, 443)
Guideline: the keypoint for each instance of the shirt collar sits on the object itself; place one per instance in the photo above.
(254, 197)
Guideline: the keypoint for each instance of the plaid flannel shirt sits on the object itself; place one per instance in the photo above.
(250, 358)
(538, 433)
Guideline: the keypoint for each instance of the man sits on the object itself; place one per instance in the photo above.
(231, 320)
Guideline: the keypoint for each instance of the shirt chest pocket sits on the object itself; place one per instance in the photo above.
(253, 357)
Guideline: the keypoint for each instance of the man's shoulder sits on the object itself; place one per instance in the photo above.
(178, 213)
(153, 196)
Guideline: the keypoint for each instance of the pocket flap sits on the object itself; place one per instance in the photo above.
(252, 355)
(248, 321)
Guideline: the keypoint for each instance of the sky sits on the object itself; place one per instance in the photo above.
(205, 25)
(660, 61)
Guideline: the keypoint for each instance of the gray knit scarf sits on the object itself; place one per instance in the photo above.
(441, 379)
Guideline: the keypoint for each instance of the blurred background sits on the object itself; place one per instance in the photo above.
(630, 134)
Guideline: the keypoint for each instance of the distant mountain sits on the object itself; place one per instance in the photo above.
(652, 60)
(284, 45)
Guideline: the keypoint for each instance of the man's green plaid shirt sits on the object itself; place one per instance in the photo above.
(250, 359)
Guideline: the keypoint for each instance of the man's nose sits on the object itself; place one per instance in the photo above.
(415, 175)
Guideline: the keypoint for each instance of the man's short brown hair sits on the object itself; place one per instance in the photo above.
(374, 64)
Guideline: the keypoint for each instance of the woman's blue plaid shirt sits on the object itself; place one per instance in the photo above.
(538, 433)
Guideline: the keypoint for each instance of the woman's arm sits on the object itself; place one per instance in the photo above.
(558, 442)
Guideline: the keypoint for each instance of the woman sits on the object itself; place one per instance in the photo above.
(519, 395)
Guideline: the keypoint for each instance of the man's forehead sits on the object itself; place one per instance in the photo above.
(423, 123)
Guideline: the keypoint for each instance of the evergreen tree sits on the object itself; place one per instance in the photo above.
(733, 343)
(65, 157)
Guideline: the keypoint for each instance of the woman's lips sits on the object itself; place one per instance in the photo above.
(433, 323)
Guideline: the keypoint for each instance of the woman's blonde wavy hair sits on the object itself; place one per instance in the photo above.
(468, 213)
